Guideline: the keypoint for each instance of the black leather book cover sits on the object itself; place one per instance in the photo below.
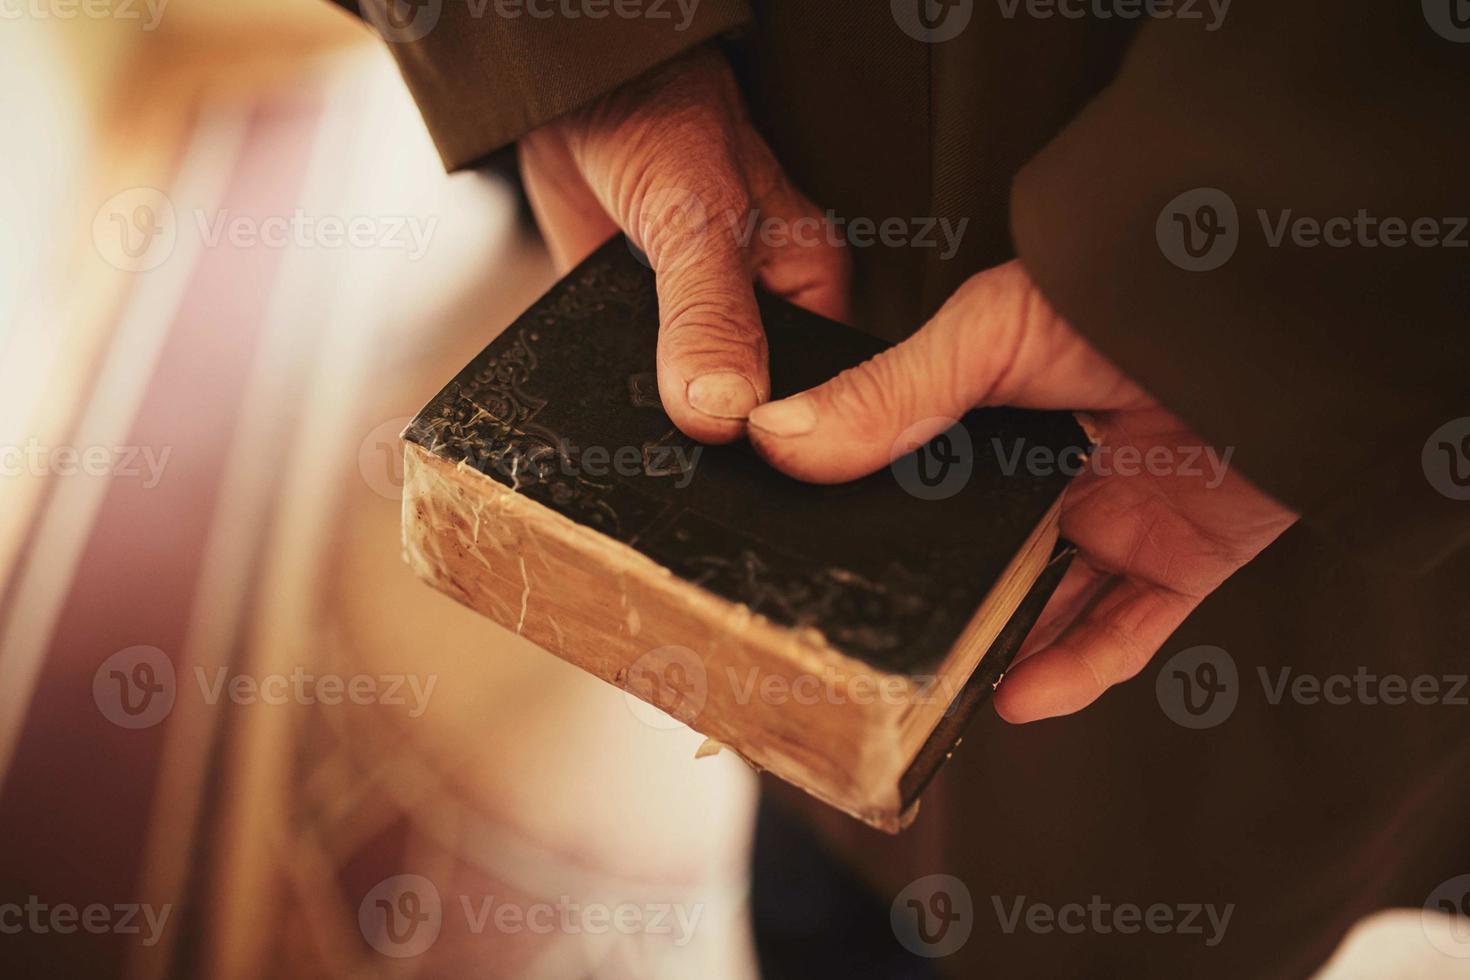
(563, 407)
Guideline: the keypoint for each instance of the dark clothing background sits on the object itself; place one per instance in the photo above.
(1325, 368)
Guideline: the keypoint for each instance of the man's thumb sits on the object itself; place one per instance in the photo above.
(976, 350)
(712, 367)
(851, 425)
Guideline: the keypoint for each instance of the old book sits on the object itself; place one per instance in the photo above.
(837, 636)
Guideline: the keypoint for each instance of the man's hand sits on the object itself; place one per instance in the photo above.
(1151, 547)
(672, 160)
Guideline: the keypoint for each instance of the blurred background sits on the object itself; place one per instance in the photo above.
(231, 266)
(237, 737)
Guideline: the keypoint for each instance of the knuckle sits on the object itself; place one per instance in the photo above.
(874, 392)
(680, 222)
(1132, 657)
(972, 293)
(701, 329)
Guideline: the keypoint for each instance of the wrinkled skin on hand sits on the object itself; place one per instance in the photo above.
(673, 161)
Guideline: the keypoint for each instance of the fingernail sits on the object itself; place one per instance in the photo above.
(722, 395)
(788, 417)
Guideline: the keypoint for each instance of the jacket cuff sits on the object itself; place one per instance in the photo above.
(486, 72)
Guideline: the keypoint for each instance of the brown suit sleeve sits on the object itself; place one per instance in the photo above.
(1327, 366)
(485, 72)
